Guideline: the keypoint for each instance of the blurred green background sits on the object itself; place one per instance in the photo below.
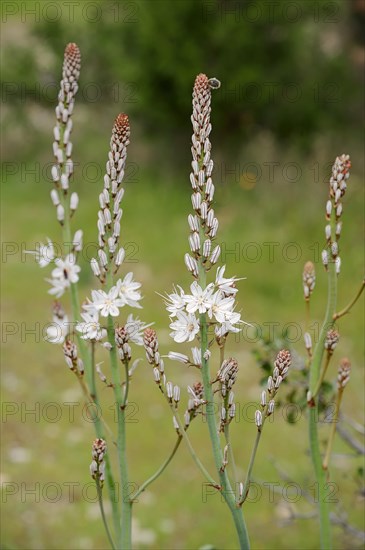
(290, 102)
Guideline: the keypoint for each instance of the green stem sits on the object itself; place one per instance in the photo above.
(324, 513)
(246, 486)
(333, 430)
(163, 466)
(126, 504)
(231, 454)
(326, 326)
(88, 361)
(349, 306)
(322, 374)
(227, 491)
(315, 370)
(185, 437)
(100, 498)
(100, 425)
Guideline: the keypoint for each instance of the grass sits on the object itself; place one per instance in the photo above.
(174, 512)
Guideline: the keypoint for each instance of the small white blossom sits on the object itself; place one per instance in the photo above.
(128, 291)
(184, 328)
(175, 356)
(227, 286)
(200, 299)
(108, 303)
(221, 307)
(59, 286)
(197, 356)
(175, 302)
(58, 330)
(90, 328)
(44, 254)
(66, 269)
(135, 329)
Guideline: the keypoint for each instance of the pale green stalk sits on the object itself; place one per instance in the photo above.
(315, 371)
(158, 472)
(226, 488)
(101, 505)
(88, 362)
(121, 400)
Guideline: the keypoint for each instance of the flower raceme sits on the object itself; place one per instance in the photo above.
(216, 299)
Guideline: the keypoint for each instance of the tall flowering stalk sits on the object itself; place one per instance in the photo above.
(93, 324)
(320, 357)
(207, 314)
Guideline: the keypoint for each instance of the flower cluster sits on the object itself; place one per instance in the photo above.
(226, 377)
(331, 341)
(338, 186)
(97, 466)
(309, 280)
(195, 403)
(343, 374)
(217, 300)
(110, 212)
(73, 361)
(281, 367)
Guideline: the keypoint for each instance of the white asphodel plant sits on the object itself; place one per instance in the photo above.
(95, 327)
(206, 316)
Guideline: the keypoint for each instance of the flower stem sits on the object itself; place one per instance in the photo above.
(88, 361)
(100, 498)
(126, 504)
(322, 374)
(325, 527)
(158, 472)
(185, 436)
(333, 430)
(227, 492)
(246, 486)
(349, 306)
(324, 516)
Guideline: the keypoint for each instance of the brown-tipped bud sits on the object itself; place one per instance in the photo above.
(72, 60)
(309, 279)
(331, 341)
(121, 131)
(58, 310)
(282, 364)
(97, 466)
(343, 373)
(340, 173)
(70, 353)
(198, 390)
(150, 343)
(121, 336)
(227, 374)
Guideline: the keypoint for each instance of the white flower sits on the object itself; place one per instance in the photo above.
(175, 356)
(44, 254)
(58, 286)
(227, 286)
(58, 330)
(135, 329)
(175, 302)
(66, 269)
(225, 328)
(197, 356)
(90, 328)
(105, 302)
(128, 291)
(221, 307)
(200, 299)
(184, 328)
